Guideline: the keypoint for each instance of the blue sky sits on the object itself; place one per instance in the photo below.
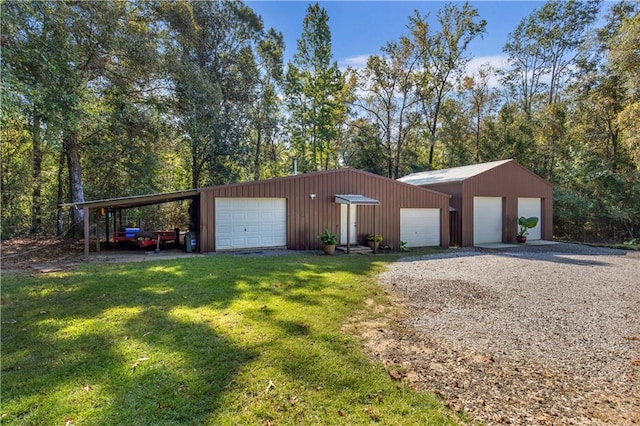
(360, 28)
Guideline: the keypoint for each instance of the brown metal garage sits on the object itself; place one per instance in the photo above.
(292, 211)
(488, 198)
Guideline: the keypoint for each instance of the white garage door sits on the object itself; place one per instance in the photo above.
(529, 207)
(487, 220)
(420, 227)
(251, 222)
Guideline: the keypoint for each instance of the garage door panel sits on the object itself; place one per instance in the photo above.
(420, 227)
(223, 216)
(268, 228)
(531, 207)
(487, 220)
(255, 216)
(250, 223)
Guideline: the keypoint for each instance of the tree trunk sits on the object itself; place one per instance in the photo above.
(478, 113)
(76, 190)
(60, 221)
(256, 160)
(36, 174)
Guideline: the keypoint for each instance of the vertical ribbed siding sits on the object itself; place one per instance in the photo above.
(306, 218)
(509, 181)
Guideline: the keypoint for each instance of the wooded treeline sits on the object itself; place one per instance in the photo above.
(106, 99)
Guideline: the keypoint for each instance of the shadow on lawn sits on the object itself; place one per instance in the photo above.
(138, 344)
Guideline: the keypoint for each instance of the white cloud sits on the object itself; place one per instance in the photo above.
(359, 61)
(497, 62)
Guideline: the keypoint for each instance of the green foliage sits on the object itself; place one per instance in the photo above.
(315, 96)
(104, 99)
(215, 340)
(377, 238)
(328, 238)
(364, 149)
(526, 223)
(441, 55)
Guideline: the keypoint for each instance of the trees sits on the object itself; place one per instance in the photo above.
(63, 57)
(105, 99)
(315, 97)
(390, 100)
(482, 99)
(602, 171)
(213, 70)
(543, 51)
(442, 58)
(543, 48)
(266, 114)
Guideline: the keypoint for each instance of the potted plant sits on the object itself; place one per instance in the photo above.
(328, 240)
(524, 224)
(374, 240)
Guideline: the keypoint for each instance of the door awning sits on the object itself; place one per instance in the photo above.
(355, 199)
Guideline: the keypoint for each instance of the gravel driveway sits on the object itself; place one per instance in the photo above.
(526, 335)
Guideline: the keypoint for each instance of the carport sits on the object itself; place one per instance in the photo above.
(100, 208)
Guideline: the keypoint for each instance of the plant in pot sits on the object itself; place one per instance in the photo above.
(374, 240)
(524, 224)
(328, 240)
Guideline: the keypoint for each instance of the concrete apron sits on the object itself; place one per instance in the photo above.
(508, 245)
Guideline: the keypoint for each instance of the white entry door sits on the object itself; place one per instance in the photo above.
(420, 227)
(251, 223)
(353, 236)
(530, 207)
(487, 220)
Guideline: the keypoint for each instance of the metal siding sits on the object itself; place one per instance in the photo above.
(508, 181)
(307, 218)
(204, 245)
(512, 181)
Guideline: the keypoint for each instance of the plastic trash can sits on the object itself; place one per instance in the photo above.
(190, 242)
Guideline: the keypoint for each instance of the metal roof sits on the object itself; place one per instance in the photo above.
(356, 199)
(456, 174)
(135, 200)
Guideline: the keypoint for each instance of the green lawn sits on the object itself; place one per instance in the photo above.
(209, 340)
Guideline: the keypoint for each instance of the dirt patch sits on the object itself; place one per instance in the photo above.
(54, 255)
(42, 255)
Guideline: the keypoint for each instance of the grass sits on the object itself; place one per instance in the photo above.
(216, 340)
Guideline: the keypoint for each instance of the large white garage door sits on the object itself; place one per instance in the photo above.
(529, 207)
(420, 227)
(487, 220)
(251, 222)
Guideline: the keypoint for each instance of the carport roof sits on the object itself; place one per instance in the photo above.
(135, 200)
(356, 200)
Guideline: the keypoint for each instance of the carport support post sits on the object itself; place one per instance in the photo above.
(348, 228)
(97, 222)
(375, 246)
(85, 214)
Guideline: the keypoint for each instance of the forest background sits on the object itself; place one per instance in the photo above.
(106, 99)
